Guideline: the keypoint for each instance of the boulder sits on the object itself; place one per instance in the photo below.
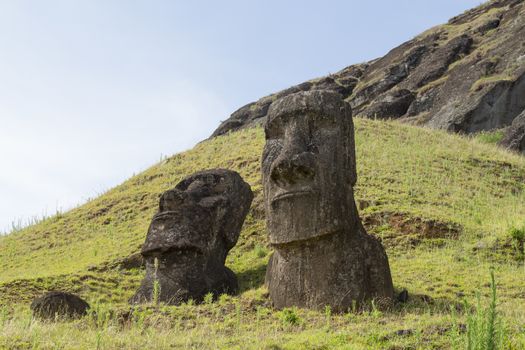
(392, 105)
(322, 253)
(59, 305)
(514, 138)
(197, 224)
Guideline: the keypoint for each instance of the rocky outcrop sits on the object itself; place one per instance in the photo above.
(322, 253)
(514, 138)
(493, 106)
(197, 224)
(391, 105)
(254, 113)
(59, 305)
(464, 76)
(386, 76)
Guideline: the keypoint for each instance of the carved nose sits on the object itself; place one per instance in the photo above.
(293, 169)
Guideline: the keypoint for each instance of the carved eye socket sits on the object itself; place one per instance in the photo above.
(312, 147)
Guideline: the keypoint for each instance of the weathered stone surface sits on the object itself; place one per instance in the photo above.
(323, 256)
(391, 75)
(198, 222)
(59, 305)
(494, 105)
(254, 113)
(466, 76)
(488, 25)
(514, 138)
(391, 105)
(436, 64)
(402, 297)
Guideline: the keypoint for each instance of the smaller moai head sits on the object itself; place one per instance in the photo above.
(308, 167)
(203, 213)
(188, 240)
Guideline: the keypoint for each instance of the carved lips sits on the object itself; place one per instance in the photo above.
(291, 194)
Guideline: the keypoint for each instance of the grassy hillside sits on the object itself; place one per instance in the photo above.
(445, 207)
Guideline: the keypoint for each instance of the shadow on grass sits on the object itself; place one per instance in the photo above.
(252, 278)
(421, 303)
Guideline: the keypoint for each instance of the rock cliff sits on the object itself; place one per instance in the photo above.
(467, 75)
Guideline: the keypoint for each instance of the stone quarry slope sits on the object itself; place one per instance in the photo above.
(466, 76)
(415, 187)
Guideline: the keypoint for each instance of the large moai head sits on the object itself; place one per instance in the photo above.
(198, 222)
(309, 167)
(322, 254)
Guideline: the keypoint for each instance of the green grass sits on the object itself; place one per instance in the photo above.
(490, 137)
(443, 204)
(483, 81)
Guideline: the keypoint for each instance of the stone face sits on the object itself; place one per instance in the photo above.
(198, 222)
(323, 256)
(58, 305)
(514, 138)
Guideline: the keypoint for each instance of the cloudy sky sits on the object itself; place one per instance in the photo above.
(93, 91)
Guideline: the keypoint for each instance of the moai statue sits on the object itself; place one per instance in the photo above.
(198, 222)
(322, 253)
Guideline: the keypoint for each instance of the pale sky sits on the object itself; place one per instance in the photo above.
(94, 91)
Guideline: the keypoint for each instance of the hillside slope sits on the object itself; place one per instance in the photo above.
(464, 76)
(443, 205)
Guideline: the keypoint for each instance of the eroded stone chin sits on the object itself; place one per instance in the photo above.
(298, 217)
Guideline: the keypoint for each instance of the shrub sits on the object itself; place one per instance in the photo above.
(518, 239)
(156, 284)
(491, 137)
(289, 316)
(208, 299)
(484, 329)
(260, 251)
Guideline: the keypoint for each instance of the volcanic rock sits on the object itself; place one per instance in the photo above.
(59, 305)
(322, 254)
(514, 138)
(197, 224)
(465, 76)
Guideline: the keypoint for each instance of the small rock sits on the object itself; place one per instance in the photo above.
(479, 246)
(462, 328)
(426, 299)
(404, 332)
(59, 305)
(403, 296)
